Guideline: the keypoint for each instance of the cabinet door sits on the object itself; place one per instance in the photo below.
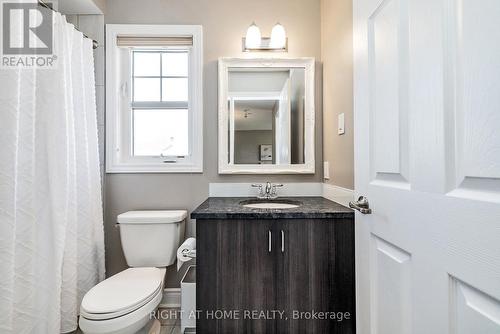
(258, 274)
(235, 276)
(293, 274)
(316, 274)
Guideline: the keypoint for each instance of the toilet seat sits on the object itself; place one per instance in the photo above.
(130, 323)
(123, 293)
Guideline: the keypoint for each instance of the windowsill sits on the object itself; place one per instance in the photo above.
(154, 168)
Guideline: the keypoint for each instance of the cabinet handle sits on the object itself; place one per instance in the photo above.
(269, 241)
(282, 241)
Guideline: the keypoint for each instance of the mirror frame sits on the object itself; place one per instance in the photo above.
(309, 166)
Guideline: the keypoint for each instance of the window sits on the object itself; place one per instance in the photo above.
(160, 103)
(154, 99)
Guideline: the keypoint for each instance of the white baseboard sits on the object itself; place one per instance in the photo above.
(338, 194)
(171, 298)
(307, 189)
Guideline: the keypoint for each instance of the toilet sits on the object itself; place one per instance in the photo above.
(124, 302)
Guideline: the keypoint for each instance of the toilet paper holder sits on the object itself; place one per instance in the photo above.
(189, 253)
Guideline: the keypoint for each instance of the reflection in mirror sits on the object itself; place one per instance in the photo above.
(266, 116)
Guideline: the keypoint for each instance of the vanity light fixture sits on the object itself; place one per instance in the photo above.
(278, 37)
(253, 38)
(278, 42)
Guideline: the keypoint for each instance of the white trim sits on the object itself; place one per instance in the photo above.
(171, 298)
(309, 166)
(338, 194)
(115, 161)
(308, 189)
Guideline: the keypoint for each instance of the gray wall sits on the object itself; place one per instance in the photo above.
(337, 57)
(247, 145)
(224, 23)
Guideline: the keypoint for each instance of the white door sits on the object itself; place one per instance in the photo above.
(427, 122)
(283, 127)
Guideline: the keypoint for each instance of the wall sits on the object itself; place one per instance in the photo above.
(336, 54)
(247, 145)
(81, 7)
(224, 23)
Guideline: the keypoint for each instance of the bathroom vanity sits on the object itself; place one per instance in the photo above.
(274, 270)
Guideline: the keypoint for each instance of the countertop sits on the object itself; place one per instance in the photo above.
(230, 208)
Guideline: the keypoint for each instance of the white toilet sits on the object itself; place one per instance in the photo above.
(124, 302)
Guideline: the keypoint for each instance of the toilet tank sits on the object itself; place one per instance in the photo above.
(151, 238)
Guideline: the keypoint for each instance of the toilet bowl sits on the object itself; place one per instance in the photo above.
(124, 303)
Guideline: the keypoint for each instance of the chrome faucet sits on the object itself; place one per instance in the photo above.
(268, 188)
(269, 191)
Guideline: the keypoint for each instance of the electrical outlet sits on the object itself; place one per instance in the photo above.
(326, 170)
(341, 124)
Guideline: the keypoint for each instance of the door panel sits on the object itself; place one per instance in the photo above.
(283, 126)
(388, 66)
(428, 71)
(473, 311)
(390, 288)
(476, 79)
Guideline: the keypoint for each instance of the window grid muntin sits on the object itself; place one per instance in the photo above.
(158, 104)
(161, 77)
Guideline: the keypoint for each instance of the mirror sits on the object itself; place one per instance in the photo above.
(266, 116)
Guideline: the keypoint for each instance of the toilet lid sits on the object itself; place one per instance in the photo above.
(123, 292)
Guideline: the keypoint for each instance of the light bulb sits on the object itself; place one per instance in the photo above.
(278, 37)
(253, 38)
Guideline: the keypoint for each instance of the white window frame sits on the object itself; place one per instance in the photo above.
(118, 90)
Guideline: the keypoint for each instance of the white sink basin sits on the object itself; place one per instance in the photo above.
(270, 204)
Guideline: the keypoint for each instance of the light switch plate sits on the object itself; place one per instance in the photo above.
(341, 124)
(326, 170)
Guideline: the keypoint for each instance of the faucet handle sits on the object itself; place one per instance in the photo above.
(259, 186)
(274, 193)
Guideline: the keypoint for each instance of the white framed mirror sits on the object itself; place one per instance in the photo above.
(266, 116)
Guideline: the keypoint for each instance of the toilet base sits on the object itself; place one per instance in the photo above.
(153, 326)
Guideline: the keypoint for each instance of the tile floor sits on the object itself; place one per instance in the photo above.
(170, 321)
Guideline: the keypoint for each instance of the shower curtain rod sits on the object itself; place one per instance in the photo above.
(43, 4)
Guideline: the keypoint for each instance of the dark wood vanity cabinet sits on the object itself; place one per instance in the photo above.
(248, 270)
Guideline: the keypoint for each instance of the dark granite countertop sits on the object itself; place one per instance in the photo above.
(310, 208)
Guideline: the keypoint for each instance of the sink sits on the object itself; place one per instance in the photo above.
(270, 204)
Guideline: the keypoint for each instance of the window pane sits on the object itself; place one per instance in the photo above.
(174, 89)
(175, 64)
(146, 64)
(146, 89)
(161, 132)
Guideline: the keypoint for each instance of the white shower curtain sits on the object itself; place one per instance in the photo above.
(51, 230)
